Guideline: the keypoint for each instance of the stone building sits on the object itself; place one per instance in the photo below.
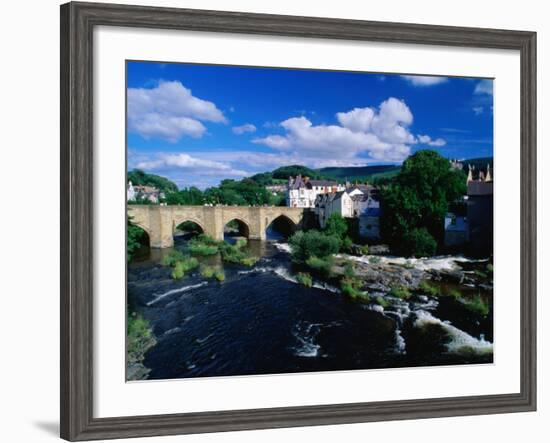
(480, 211)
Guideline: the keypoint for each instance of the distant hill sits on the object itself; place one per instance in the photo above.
(141, 178)
(360, 173)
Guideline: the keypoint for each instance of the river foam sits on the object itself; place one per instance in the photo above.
(438, 263)
(175, 291)
(461, 342)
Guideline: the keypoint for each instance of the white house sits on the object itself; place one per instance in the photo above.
(130, 192)
(335, 202)
(302, 192)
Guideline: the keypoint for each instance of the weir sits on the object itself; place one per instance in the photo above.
(160, 222)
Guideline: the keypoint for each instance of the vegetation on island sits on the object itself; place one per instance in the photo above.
(304, 279)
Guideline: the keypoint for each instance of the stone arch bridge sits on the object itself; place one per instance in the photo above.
(160, 222)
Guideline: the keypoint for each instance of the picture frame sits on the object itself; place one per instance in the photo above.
(78, 21)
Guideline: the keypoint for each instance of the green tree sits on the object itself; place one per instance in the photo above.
(307, 244)
(135, 237)
(336, 225)
(418, 199)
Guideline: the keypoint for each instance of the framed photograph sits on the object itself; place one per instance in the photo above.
(272, 221)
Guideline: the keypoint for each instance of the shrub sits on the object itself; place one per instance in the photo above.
(202, 249)
(319, 265)
(230, 253)
(401, 292)
(219, 275)
(312, 243)
(241, 243)
(455, 293)
(172, 258)
(178, 272)
(336, 225)
(351, 287)
(184, 265)
(248, 261)
(204, 245)
(349, 271)
(364, 249)
(490, 268)
(207, 272)
(429, 289)
(304, 279)
(374, 260)
(477, 304)
(418, 243)
(139, 337)
(381, 301)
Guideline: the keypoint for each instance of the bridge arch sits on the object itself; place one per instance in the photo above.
(241, 227)
(182, 219)
(282, 224)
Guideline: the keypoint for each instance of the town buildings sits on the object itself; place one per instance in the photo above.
(302, 192)
(138, 192)
(357, 202)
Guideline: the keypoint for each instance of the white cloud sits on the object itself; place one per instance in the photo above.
(248, 127)
(424, 80)
(427, 140)
(484, 87)
(381, 134)
(478, 110)
(169, 111)
(183, 163)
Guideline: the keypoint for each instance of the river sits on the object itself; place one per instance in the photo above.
(260, 321)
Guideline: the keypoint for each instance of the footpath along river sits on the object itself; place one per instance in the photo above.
(260, 321)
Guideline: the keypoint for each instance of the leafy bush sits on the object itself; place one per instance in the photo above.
(365, 250)
(182, 266)
(202, 249)
(248, 261)
(374, 260)
(304, 279)
(455, 293)
(427, 288)
(476, 304)
(172, 258)
(312, 243)
(241, 243)
(381, 301)
(219, 275)
(319, 265)
(351, 287)
(139, 336)
(401, 292)
(134, 239)
(207, 272)
(418, 243)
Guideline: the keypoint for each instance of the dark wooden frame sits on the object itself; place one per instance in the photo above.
(77, 24)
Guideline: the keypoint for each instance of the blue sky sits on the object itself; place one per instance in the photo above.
(199, 124)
